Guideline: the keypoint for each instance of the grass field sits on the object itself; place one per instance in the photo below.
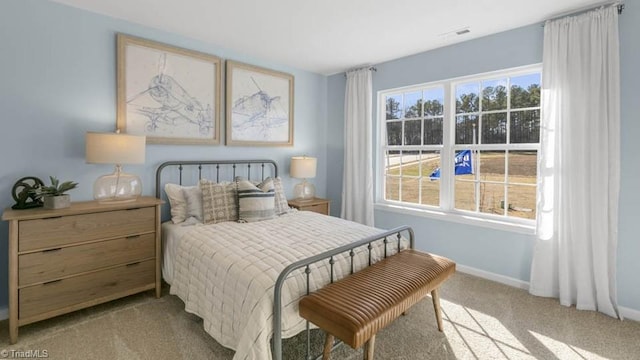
(489, 189)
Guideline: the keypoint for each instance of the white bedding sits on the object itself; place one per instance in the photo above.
(171, 235)
(225, 273)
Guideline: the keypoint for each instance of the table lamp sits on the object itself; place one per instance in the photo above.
(303, 167)
(116, 149)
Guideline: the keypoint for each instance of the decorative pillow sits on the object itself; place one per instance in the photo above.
(255, 202)
(193, 196)
(281, 203)
(219, 201)
(177, 201)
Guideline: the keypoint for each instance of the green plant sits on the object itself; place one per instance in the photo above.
(55, 189)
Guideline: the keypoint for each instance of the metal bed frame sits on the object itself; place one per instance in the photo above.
(237, 166)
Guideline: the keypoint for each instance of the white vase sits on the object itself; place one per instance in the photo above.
(57, 202)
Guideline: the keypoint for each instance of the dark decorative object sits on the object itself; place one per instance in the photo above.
(23, 193)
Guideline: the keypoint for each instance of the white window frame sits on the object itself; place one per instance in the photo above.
(446, 210)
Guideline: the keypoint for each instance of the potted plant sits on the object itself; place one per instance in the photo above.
(54, 196)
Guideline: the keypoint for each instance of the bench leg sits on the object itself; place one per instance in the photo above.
(368, 348)
(328, 344)
(436, 306)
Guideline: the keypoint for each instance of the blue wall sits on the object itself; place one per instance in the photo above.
(628, 238)
(503, 252)
(58, 81)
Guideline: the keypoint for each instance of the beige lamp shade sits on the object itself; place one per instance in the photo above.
(114, 148)
(303, 167)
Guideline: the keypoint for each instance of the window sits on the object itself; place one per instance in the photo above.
(464, 145)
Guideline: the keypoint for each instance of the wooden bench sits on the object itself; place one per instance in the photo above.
(355, 308)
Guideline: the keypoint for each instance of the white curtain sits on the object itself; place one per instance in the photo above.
(579, 164)
(357, 182)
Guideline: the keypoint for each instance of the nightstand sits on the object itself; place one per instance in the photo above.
(316, 205)
(68, 259)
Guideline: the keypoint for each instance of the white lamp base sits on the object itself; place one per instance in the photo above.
(304, 190)
(117, 187)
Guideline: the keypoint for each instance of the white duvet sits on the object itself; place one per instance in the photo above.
(225, 273)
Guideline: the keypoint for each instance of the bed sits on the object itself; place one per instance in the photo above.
(244, 279)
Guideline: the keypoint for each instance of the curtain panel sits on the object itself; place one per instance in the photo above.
(357, 182)
(579, 163)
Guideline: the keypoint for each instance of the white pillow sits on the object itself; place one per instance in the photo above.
(177, 202)
(182, 207)
(193, 196)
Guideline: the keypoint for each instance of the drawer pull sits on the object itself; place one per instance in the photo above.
(133, 209)
(134, 264)
(52, 282)
(52, 218)
(132, 237)
(51, 250)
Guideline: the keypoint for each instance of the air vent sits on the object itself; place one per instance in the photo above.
(454, 33)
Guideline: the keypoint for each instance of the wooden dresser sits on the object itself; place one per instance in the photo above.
(316, 205)
(68, 259)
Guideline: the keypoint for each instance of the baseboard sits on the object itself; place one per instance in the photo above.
(517, 283)
(4, 313)
(629, 314)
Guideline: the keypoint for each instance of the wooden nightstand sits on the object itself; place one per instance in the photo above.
(316, 205)
(68, 259)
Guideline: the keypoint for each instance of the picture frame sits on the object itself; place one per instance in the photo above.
(259, 106)
(169, 94)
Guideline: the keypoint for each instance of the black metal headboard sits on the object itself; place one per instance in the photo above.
(191, 171)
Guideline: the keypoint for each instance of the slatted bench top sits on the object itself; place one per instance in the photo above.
(355, 308)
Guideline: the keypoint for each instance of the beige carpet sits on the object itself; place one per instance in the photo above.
(482, 320)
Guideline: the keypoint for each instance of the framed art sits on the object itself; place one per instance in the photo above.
(170, 95)
(259, 106)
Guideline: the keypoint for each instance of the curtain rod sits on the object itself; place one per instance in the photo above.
(372, 68)
(620, 7)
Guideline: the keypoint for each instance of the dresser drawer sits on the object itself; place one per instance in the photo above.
(48, 265)
(319, 208)
(54, 232)
(39, 299)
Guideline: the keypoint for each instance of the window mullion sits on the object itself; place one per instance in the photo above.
(448, 140)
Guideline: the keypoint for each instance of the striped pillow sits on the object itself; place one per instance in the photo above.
(255, 202)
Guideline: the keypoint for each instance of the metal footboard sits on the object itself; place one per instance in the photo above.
(329, 256)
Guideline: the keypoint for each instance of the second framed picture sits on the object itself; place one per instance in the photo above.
(259, 106)
(169, 94)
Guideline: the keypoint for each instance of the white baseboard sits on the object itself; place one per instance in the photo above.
(4, 313)
(517, 283)
(629, 314)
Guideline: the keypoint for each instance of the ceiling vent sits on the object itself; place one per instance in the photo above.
(454, 33)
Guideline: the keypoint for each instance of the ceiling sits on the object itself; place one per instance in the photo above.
(330, 36)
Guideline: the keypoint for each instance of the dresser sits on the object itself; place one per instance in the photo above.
(316, 205)
(68, 259)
